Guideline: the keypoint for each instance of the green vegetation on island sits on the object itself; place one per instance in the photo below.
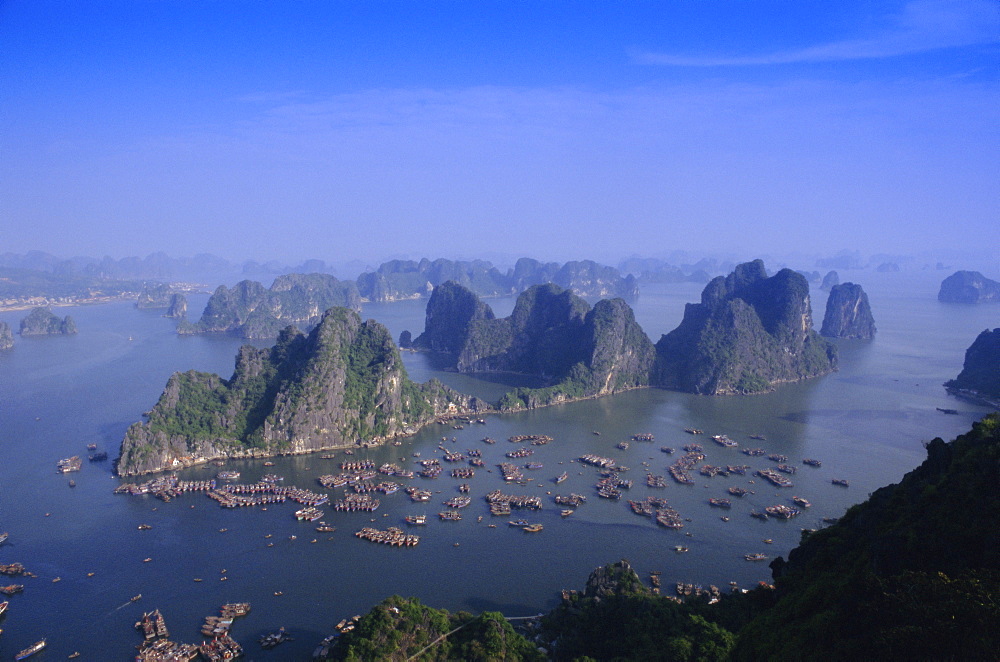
(344, 384)
(749, 332)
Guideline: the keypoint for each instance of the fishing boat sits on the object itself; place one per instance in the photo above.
(680, 549)
(3, 607)
(30, 650)
(755, 557)
(533, 528)
(3, 537)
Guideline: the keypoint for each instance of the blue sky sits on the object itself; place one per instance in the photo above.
(341, 130)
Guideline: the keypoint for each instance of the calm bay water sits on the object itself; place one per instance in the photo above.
(867, 423)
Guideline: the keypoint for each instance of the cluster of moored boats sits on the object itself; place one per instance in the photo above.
(69, 464)
(392, 536)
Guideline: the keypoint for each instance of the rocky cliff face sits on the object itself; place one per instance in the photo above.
(251, 311)
(41, 322)
(848, 313)
(968, 287)
(980, 376)
(178, 307)
(154, 295)
(6, 336)
(749, 333)
(450, 311)
(551, 334)
(342, 385)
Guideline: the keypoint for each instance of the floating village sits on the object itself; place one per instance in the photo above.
(514, 489)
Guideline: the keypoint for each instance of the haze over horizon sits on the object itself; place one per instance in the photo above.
(343, 131)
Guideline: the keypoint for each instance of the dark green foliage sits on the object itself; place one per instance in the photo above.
(913, 573)
(202, 408)
(618, 619)
(748, 333)
(400, 628)
(981, 372)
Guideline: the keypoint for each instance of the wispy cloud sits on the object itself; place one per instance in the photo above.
(922, 26)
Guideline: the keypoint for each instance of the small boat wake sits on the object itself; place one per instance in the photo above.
(131, 601)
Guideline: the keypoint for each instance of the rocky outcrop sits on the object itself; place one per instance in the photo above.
(342, 385)
(6, 336)
(749, 333)
(178, 307)
(585, 277)
(154, 295)
(829, 280)
(968, 287)
(848, 314)
(450, 312)
(251, 311)
(408, 279)
(980, 376)
(552, 334)
(41, 322)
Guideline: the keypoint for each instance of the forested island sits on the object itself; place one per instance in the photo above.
(552, 334)
(910, 574)
(43, 322)
(749, 333)
(251, 311)
(341, 385)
